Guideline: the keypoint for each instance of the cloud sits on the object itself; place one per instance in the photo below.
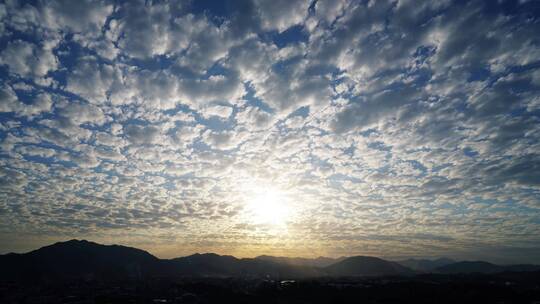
(297, 86)
(8, 99)
(392, 127)
(254, 118)
(137, 134)
(365, 112)
(92, 80)
(80, 113)
(146, 30)
(29, 60)
(328, 10)
(86, 16)
(224, 140)
(222, 112)
(9, 102)
(185, 135)
(281, 15)
(12, 178)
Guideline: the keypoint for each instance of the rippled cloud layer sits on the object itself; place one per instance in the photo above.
(389, 128)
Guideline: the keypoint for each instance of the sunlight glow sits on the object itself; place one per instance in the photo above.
(268, 206)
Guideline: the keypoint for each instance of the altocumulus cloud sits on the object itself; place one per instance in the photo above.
(393, 127)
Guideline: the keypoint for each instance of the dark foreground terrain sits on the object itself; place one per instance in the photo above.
(486, 288)
(86, 272)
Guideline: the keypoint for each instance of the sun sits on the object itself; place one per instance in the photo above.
(268, 206)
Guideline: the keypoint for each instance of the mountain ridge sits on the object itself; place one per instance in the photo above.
(90, 260)
(367, 266)
(425, 265)
(484, 268)
(314, 262)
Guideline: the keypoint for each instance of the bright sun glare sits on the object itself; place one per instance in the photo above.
(269, 206)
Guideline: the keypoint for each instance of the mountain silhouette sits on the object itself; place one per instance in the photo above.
(522, 268)
(213, 265)
(84, 259)
(367, 266)
(316, 262)
(80, 259)
(483, 267)
(207, 264)
(470, 267)
(425, 265)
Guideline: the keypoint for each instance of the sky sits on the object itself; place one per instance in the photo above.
(292, 128)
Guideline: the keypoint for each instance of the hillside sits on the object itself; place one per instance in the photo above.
(367, 266)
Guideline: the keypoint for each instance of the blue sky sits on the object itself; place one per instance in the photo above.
(298, 128)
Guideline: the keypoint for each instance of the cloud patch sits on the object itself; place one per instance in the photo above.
(391, 127)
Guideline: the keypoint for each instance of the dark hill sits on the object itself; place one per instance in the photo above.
(470, 267)
(207, 264)
(210, 264)
(425, 264)
(78, 259)
(522, 268)
(367, 266)
(483, 267)
(316, 262)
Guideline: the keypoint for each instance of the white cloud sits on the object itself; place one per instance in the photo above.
(42, 103)
(282, 14)
(299, 85)
(252, 59)
(103, 47)
(36, 151)
(137, 134)
(382, 121)
(80, 113)
(9, 102)
(254, 118)
(329, 10)
(92, 80)
(86, 16)
(185, 135)
(150, 29)
(223, 140)
(222, 112)
(29, 60)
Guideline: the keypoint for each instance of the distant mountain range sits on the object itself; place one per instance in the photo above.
(483, 267)
(367, 266)
(316, 262)
(89, 260)
(425, 265)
